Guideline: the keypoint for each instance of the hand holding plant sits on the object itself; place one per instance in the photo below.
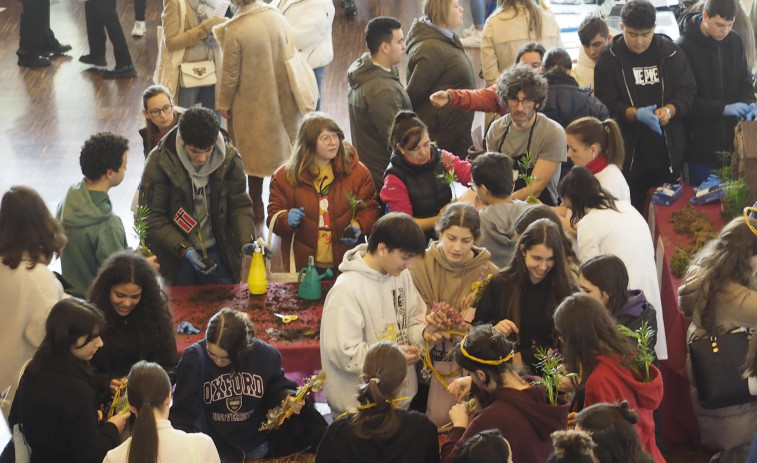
(553, 372)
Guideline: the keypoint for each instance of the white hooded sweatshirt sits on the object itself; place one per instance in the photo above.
(362, 308)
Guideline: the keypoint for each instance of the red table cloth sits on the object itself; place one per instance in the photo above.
(678, 418)
(196, 304)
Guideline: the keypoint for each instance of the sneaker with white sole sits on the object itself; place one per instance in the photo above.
(473, 40)
(468, 30)
(139, 29)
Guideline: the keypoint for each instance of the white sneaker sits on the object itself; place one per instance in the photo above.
(473, 40)
(139, 29)
(469, 30)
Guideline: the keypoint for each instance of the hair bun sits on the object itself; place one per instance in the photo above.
(628, 414)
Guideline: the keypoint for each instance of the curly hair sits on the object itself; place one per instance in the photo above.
(521, 78)
(26, 226)
(152, 315)
(198, 127)
(102, 152)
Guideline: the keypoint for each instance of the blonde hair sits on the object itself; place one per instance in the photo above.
(438, 11)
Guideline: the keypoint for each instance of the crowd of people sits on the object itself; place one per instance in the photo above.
(492, 314)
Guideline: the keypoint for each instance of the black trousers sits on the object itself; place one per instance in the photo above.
(35, 35)
(139, 10)
(101, 16)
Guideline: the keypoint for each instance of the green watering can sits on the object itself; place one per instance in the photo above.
(310, 281)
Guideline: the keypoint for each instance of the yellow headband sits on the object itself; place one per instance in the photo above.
(486, 362)
(746, 218)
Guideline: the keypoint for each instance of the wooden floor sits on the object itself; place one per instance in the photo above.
(47, 114)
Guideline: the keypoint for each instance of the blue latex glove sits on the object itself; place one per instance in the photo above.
(195, 259)
(186, 327)
(737, 109)
(646, 116)
(752, 114)
(295, 216)
(348, 241)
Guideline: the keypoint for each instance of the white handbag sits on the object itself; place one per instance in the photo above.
(301, 79)
(198, 73)
(280, 275)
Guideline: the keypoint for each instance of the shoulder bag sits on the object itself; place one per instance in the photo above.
(301, 79)
(717, 363)
(168, 62)
(274, 243)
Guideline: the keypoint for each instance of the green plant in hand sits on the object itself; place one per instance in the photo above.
(140, 229)
(645, 354)
(526, 164)
(553, 372)
(355, 204)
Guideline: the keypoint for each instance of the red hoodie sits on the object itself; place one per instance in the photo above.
(613, 382)
(524, 417)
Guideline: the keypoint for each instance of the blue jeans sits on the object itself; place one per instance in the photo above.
(478, 12)
(319, 73)
(206, 96)
(186, 275)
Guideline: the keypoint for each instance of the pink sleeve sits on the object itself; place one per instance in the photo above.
(394, 195)
(460, 167)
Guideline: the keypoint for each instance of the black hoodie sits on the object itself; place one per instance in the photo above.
(566, 101)
(614, 86)
(722, 78)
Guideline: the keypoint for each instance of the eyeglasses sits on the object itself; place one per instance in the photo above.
(157, 111)
(526, 102)
(336, 136)
(472, 186)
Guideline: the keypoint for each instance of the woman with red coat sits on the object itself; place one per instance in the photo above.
(602, 357)
(315, 188)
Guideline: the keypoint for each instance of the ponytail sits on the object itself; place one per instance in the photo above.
(144, 436)
(147, 389)
(615, 151)
(384, 370)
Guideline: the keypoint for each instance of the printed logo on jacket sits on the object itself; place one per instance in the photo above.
(232, 387)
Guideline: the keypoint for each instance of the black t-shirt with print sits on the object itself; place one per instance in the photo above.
(651, 152)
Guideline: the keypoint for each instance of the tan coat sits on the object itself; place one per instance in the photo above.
(254, 85)
(179, 40)
(736, 306)
(505, 33)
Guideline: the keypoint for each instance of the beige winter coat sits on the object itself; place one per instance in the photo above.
(505, 33)
(179, 39)
(736, 306)
(254, 85)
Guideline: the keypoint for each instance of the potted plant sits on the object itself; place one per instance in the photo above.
(645, 355)
(140, 229)
(355, 204)
(525, 164)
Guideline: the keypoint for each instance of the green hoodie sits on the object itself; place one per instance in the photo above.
(93, 231)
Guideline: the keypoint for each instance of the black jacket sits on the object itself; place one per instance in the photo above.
(57, 408)
(415, 441)
(613, 85)
(566, 101)
(722, 78)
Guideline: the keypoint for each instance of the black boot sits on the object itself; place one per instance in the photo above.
(120, 72)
